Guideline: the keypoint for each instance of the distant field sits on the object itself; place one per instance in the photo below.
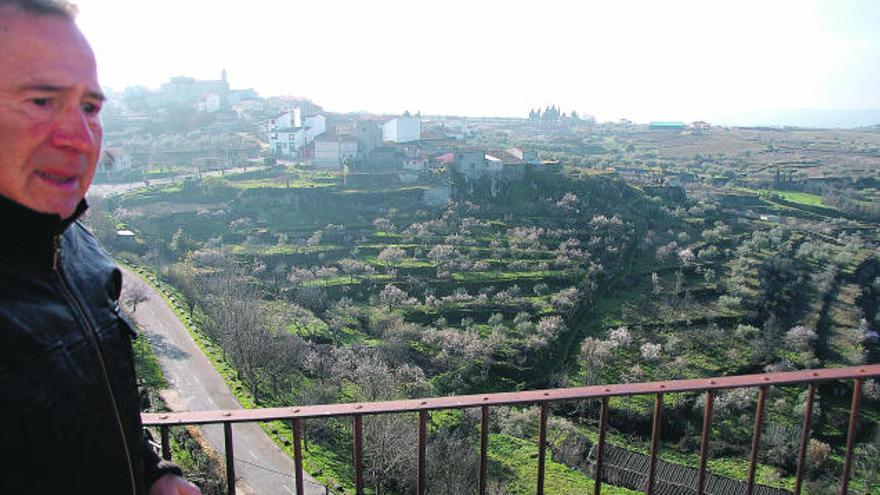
(792, 196)
(801, 198)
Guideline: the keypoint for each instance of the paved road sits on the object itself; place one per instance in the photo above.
(102, 190)
(261, 466)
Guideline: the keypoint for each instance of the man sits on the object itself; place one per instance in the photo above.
(69, 416)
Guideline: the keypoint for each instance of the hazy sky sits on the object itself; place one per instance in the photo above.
(643, 60)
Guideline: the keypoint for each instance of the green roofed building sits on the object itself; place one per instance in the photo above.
(667, 126)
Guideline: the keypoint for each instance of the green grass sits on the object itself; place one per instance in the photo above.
(801, 198)
(281, 249)
(404, 263)
(792, 196)
(146, 365)
(517, 459)
(346, 280)
(499, 276)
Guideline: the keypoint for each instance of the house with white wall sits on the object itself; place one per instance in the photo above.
(209, 104)
(496, 164)
(402, 129)
(505, 165)
(289, 133)
(527, 156)
(287, 120)
(114, 159)
(334, 151)
(245, 108)
(313, 127)
(471, 163)
(416, 159)
(369, 136)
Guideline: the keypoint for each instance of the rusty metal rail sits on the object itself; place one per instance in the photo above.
(542, 398)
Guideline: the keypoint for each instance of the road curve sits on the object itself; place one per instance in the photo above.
(260, 465)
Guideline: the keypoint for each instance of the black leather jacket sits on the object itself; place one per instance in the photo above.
(69, 408)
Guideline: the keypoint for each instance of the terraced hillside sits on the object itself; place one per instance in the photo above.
(322, 288)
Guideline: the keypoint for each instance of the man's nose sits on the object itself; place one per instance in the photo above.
(74, 131)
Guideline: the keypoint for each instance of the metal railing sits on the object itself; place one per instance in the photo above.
(710, 386)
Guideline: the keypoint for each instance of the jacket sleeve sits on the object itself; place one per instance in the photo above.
(154, 466)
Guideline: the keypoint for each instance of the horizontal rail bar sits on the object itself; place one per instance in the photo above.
(512, 398)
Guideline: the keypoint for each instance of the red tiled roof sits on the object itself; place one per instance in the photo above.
(445, 158)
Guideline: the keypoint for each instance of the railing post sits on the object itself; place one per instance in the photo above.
(805, 439)
(358, 454)
(756, 439)
(484, 446)
(296, 425)
(603, 428)
(230, 458)
(422, 488)
(851, 435)
(164, 434)
(542, 447)
(704, 442)
(655, 443)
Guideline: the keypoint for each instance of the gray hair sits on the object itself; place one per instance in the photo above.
(62, 8)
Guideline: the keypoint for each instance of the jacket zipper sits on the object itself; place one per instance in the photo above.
(92, 336)
(56, 251)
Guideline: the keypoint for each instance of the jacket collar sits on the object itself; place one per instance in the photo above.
(31, 235)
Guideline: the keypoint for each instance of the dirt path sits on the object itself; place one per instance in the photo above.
(261, 466)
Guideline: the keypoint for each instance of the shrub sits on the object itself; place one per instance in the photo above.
(665, 251)
(729, 303)
(651, 352)
(391, 254)
(392, 297)
(565, 300)
(801, 338)
(620, 336)
(817, 454)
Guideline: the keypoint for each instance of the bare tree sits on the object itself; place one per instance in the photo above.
(134, 292)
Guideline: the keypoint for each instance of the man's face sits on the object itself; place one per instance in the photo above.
(50, 132)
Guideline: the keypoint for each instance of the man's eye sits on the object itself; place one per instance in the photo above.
(40, 102)
(91, 108)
